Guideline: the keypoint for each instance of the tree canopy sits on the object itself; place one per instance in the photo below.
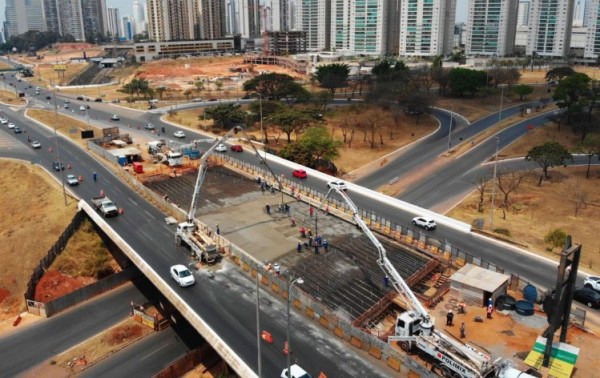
(333, 76)
(571, 92)
(464, 80)
(589, 146)
(226, 115)
(315, 147)
(559, 73)
(274, 86)
(34, 40)
(523, 90)
(290, 120)
(548, 155)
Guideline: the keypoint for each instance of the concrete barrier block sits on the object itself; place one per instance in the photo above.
(339, 332)
(310, 312)
(375, 352)
(394, 363)
(324, 322)
(356, 342)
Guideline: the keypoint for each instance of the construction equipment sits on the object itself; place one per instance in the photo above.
(414, 328)
(201, 243)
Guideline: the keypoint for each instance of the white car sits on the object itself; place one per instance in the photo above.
(297, 372)
(593, 283)
(72, 180)
(115, 117)
(3, 121)
(221, 148)
(11, 125)
(182, 275)
(337, 184)
(197, 100)
(35, 144)
(424, 222)
(82, 108)
(179, 134)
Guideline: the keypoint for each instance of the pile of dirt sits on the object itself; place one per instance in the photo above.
(124, 333)
(55, 285)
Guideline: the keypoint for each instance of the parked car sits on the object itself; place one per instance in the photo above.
(237, 148)
(149, 126)
(337, 184)
(11, 125)
(82, 108)
(221, 148)
(66, 106)
(299, 173)
(17, 130)
(80, 98)
(424, 222)
(182, 275)
(587, 296)
(67, 102)
(198, 99)
(72, 180)
(3, 121)
(48, 98)
(179, 134)
(97, 99)
(58, 166)
(592, 282)
(115, 117)
(35, 144)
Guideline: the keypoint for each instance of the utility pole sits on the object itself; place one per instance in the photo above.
(450, 128)
(494, 183)
(60, 164)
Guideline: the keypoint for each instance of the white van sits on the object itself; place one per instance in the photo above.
(297, 372)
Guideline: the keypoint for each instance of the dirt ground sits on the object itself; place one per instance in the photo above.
(11, 98)
(539, 76)
(510, 335)
(54, 285)
(537, 210)
(20, 252)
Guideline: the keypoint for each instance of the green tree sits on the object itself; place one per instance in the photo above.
(226, 115)
(137, 86)
(268, 108)
(314, 147)
(522, 90)
(571, 92)
(290, 121)
(590, 146)
(464, 80)
(273, 86)
(548, 155)
(559, 73)
(333, 76)
(583, 128)
(555, 239)
(160, 90)
(198, 86)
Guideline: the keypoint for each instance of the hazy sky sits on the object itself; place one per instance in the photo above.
(126, 8)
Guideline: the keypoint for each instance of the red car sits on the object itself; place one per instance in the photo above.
(237, 148)
(299, 173)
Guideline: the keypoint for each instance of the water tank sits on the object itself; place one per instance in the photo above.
(530, 293)
(524, 308)
(505, 302)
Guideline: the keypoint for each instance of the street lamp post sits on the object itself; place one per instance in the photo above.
(450, 128)
(60, 166)
(494, 183)
(258, 326)
(300, 281)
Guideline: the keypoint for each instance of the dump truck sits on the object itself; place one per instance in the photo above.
(105, 206)
(201, 245)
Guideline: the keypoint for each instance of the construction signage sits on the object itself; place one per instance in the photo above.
(562, 358)
(60, 67)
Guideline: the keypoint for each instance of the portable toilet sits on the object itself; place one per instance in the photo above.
(138, 167)
(122, 160)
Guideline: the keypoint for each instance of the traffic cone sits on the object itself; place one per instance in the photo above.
(102, 193)
(285, 348)
(322, 375)
(121, 211)
(80, 178)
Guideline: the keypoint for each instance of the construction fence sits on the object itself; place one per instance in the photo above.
(57, 305)
(53, 252)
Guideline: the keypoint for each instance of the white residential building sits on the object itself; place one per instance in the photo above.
(246, 18)
(312, 17)
(491, 27)
(427, 27)
(580, 13)
(280, 13)
(139, 17)
(114, 23)
(359, 26)
(523, 13)
(592, 40)
(550, 23)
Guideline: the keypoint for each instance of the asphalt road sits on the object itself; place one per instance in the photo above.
(23, 349)
(143, 227)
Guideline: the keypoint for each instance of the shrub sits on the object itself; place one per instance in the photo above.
(502, 231)
(555, 238)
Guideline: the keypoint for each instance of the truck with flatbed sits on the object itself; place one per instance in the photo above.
(105, 206)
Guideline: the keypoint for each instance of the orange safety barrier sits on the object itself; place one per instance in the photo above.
(322, 375)
(267, 337)
(80, 178)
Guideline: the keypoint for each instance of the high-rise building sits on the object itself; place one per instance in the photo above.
(139, 17)
(427, 27)
(280, 15)
(491, 27)
(312, 17)
(550, 24)
(393, 27)
(292, 15)
(127, 28)
(182, 18)
(592, 45)
(157, 21)
(212, 21)
(580, 13)
(248, 18)
(231, 19)
(523, 13)
(359, 26)
(65, 17)
(114, 23)
(24, 15)
(94, 19)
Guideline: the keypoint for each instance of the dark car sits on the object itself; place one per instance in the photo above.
(80, 98)
(237, 148)
(149, 126)
(58, 166)
(48, 98)
(587, 296)
(97, 99)
(17, 130)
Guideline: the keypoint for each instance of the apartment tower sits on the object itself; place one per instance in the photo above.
(491, 27)
(549, 32)
(427, 27)
(313, 18)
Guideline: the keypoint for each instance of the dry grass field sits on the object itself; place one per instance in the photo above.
(11, 98)
(68, 126)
